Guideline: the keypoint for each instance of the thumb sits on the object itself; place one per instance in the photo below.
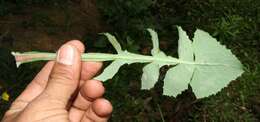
(64, 78)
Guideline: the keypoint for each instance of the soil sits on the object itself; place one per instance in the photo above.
(46, 28)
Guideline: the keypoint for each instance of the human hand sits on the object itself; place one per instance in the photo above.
(63, 92)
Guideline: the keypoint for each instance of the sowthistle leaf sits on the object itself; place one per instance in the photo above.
(114, 42)
(203, 63)
(178, 78)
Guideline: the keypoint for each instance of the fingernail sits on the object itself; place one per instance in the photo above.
(66, 55)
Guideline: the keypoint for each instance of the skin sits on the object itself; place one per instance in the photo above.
(63, 93)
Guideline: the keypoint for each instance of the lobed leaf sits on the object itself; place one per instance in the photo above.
(151, 71)
(220, 65)
(110, 70)
(155, 41)
(114, 42)
(212, 69)
(214, 66)
(185, 50)
(150, 75)
(204, 64)
(178, 78)
(113, 68)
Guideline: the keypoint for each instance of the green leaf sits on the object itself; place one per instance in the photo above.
(114, 42)
(150, 75)
(204, 64)
(151, 72)
(110, 70)
(155, 41)
(185, 49)
(177, 79)
(208, 50)
(208, 80)
(218, 65)
(214, 66)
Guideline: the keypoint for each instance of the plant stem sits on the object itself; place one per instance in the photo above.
(43, 56)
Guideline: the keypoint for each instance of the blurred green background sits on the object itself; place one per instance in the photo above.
(44, 25)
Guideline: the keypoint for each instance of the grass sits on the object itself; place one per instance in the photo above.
(234, 23)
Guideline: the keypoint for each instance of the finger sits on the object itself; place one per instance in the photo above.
(78, 44)
(33, 89)
(89, 70)
(90, 91)
(38, 84)
(64, 77)
(99, 111)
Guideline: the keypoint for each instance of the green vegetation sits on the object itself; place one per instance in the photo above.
(234, 23)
